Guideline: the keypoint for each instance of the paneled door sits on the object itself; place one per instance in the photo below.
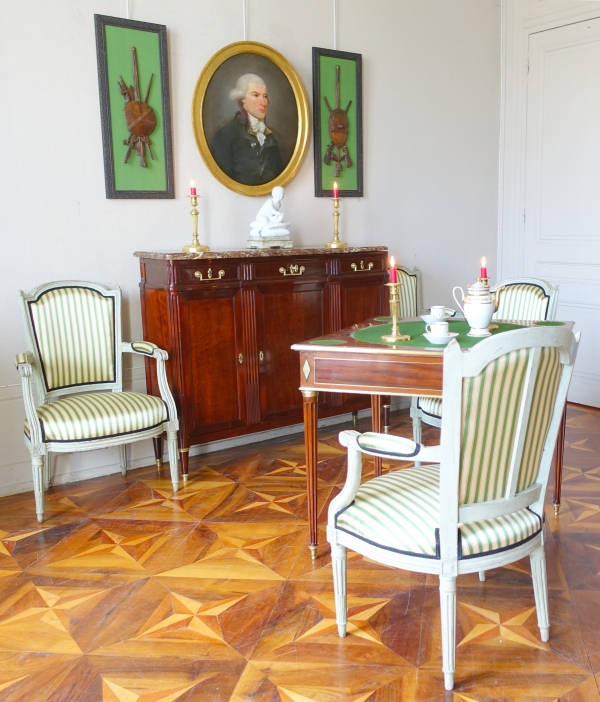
(562, 184)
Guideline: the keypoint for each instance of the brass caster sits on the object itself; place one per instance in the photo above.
(313, 552)
(158, 464)
(185, 479)
(354, 418)
(556, 509)
(386, 430)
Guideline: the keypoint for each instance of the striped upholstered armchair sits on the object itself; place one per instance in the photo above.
(74, 359)
(520, 300)
(479, 504)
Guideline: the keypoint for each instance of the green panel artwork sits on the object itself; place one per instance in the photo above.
(347, 176)
(134, 94)
(337, 88)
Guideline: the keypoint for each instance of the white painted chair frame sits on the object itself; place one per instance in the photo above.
(415, 273)
(418, 415)
(30, 370)
(458, 365)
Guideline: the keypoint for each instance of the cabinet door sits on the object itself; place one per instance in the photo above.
(288, 312)
(213, 360)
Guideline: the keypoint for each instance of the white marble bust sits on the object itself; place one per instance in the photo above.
(269, 223)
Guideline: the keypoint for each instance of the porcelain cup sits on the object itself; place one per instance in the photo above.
(438, 311)
(437, 328)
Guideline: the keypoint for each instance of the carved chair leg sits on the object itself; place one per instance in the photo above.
(338, 564)
(448, 612)
(540, 590)
(415, 413)
(172, 448)
(37, 463)
(123, 458)
(46, 471)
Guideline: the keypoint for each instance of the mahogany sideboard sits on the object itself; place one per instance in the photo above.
(228, 320)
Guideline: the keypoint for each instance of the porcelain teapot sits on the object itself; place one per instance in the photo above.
(479, 307)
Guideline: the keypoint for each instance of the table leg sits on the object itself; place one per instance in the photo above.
(310, 441)
(386, 408)
(558, 462)
(376, 424)
(184, 456)
(158, 451)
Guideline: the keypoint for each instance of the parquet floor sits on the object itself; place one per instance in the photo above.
(128, 593)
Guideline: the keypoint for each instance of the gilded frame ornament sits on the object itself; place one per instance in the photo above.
(200, 105)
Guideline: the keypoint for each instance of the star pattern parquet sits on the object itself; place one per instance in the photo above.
(131, 593)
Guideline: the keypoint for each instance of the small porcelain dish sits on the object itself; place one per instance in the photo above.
(440, 339)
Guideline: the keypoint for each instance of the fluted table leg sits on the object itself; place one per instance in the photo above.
(376, 424)
(310, 440)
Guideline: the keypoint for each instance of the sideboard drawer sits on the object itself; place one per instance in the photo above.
(362, 264)
(287, 268)
(202, 272)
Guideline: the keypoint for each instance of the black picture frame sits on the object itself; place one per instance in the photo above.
(353, 90)
(123, 180)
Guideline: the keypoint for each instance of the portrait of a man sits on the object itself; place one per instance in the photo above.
(245, 148)
(253, 123)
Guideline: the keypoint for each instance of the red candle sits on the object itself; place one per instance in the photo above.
(393, 271)
(192, 188)
(336, 192)
(483, 269)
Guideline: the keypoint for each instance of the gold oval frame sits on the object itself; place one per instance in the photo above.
(250, 47)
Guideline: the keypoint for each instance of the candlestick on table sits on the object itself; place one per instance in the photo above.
(336, 243)
(195, 246)
(395, 312)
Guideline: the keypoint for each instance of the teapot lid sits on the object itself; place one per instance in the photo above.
(479, 288)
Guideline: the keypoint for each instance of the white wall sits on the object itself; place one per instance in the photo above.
(431, 115)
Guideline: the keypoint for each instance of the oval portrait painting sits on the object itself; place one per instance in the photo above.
(250, 118)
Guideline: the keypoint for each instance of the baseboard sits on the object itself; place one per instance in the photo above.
(69, 471)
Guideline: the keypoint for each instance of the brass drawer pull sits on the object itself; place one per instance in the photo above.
(294, 270)
(261, 355)
(356, 269)
(241, 357)
(209, 275)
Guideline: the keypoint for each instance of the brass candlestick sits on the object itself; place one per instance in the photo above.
(195, 246)
(336, 243)
(395, 312)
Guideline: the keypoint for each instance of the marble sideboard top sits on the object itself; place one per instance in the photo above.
(255, 253)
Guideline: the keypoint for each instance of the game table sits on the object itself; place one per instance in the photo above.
(357, 360)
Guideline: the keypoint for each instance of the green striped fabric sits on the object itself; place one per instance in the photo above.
(408, 294)
(490, 410)
(488, 535)
(431, 405)
(97, 415)
(146, 347)
(74, 331)
(522, 301)
(542, 405)
(400, 511)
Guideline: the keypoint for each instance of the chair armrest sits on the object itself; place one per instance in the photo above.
(353, 476)
(148, 349)
(396, 448)
(24, 363)
(142, 348)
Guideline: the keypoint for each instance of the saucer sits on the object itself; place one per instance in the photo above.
(440, 339)
(428, 319)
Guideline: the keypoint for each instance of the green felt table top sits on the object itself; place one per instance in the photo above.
(415, 330)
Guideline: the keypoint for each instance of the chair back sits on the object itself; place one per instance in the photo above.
(410, 291)
(525, 299)
(74, 333)
(503, 403)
